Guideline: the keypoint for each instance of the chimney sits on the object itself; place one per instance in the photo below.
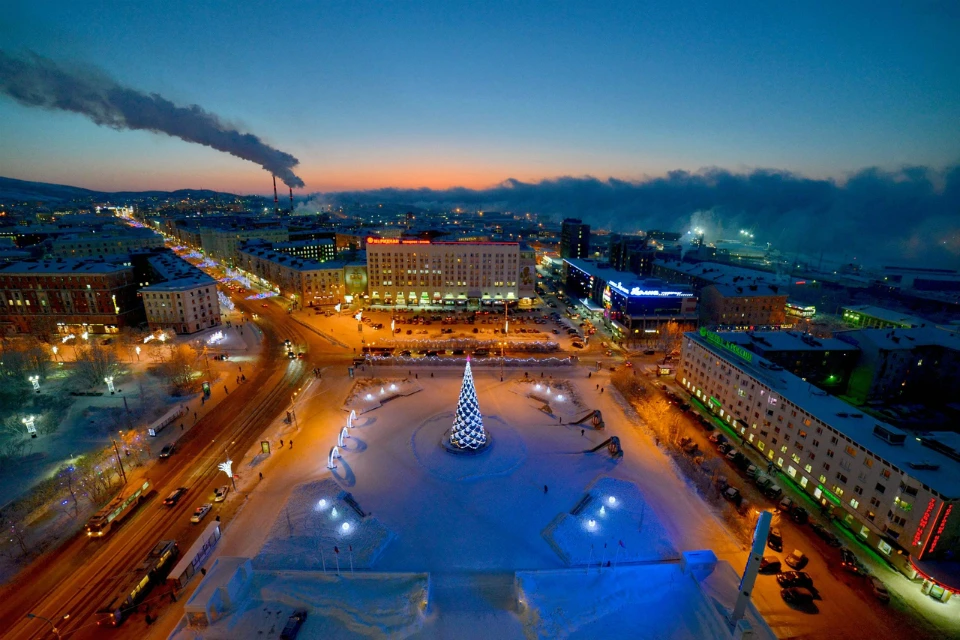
(276, 201)
(291, 199)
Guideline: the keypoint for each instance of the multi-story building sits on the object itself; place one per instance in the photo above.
(634, 309)
(894, 491)
(825, 362)
(69, 296)
(870, 317)
(319, 249)
(731, 297)
(100, 245)
(176, 295)
(920, 365)
(423, 272)
(223, 243)
(574, 239)
(307, 282)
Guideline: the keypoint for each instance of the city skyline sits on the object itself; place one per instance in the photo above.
(439, 96)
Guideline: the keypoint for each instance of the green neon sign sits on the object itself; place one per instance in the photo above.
(733, 348)
(834, 499)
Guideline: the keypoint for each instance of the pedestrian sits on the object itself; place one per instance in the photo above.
(561, 419)
(601, 389)
(417, 376)
(225, 390)
(238, 379)
(291, 444)
(545, 489)
(261, 475)
(582, 431)
(243, 378)
(181, 426)
(589, 374)
(598, 385)
(431, 374)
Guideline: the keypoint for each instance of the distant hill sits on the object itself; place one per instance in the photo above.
(13, 190)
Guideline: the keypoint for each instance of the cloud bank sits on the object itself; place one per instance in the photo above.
(908, 216)
(35, 81)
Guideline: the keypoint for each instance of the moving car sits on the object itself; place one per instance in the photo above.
(775, 539)
(174, 496)
(797, 595)
(794, 579)
(220, 493)
(294, 622)
(168, 450)
(851, 563)
(825, 534)
(200, 512)
(879, 590)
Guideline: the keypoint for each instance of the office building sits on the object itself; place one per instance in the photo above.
(574, 239)
(893, 491)
(423, 272)
(870, 317)
(319, 249)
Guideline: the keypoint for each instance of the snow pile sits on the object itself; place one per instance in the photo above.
(648, 601)
(505, 452)
(361, 605)
(612, 523)
(316, 519)
(371, 394)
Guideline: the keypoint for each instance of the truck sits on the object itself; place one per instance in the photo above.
(118, 509)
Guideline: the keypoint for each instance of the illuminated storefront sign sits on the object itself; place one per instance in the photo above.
(736, 349)
(943, 525)
(648, 293)
(924, 521)
(395, 241)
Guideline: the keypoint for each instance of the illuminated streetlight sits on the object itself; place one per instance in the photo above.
(35, 380)
(50, 622)
(137, 349)
(29, 423)
(109, 381)
(227, 468)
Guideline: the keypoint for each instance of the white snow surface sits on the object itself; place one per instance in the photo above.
(625, 518)
(636, 601)
(306, 528)
(370, 394)
(504, 453)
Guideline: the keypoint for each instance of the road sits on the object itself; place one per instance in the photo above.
(71, 579)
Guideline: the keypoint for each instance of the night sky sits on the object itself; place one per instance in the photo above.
(439, 94)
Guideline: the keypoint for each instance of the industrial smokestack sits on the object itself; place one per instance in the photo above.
(291, 199)
(276, 200)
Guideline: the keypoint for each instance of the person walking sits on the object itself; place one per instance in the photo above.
(545, 489)
(261, 475)
(582, 431)
(281, 443)
(291, 444)
(225, 390)
(601, 389)
(181, 426)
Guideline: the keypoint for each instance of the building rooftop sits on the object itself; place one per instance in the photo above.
(930, 460)
(887, 315)
(763, 341)
(903, 339)
(264, 252)
(732, 280)
(65, 266)
(623, 280)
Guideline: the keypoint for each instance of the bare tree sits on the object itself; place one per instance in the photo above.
(70, 481)
(38, 356)
(97, 474)
(178, 367)
(95, 362)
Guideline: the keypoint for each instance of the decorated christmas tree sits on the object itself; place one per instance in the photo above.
(467, 431)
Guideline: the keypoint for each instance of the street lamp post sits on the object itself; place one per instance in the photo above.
(109, 381)
(35, 380)
(137, 349)
(501, 360)
(53, 626)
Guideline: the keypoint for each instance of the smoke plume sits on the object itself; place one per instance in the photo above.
(911, 215)
(35, 81)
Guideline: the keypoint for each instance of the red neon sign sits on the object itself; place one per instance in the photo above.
(924, 521)
(943, 525)
(372, 240)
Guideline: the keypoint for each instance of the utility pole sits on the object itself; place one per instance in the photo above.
(116, 450)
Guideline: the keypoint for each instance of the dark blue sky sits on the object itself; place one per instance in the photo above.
(441, 93)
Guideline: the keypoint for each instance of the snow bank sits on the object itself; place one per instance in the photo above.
(648, 601)
(502, 457)
(613, 523)
(315, 519)
(371, 394)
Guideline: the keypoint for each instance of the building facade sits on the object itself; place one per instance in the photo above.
(574, 239)
(423, 272)
(177, 295)
(870, 317)
(895, 492)
(69, 296)
(307, 282)
(99, 245)
(319, 249)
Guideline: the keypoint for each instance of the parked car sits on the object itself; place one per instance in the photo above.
(294, 622)
(772, 491)
(689, 448)
(168, 450)
(200, 513)
(879, 590)
(220, 493)
(797, 595)
(797, 560)
(732, 494)
(799, 515)
(751, 471)
(724, 448)
(718, 438)
(770, 564)
(794, 579)
(825, 533)
(786, 504)
(775, 539)
(174, 496)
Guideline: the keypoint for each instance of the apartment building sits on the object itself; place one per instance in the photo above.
(895, 491)
(424, 272)
(99, 245)
(306, 281)
(176, 295)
